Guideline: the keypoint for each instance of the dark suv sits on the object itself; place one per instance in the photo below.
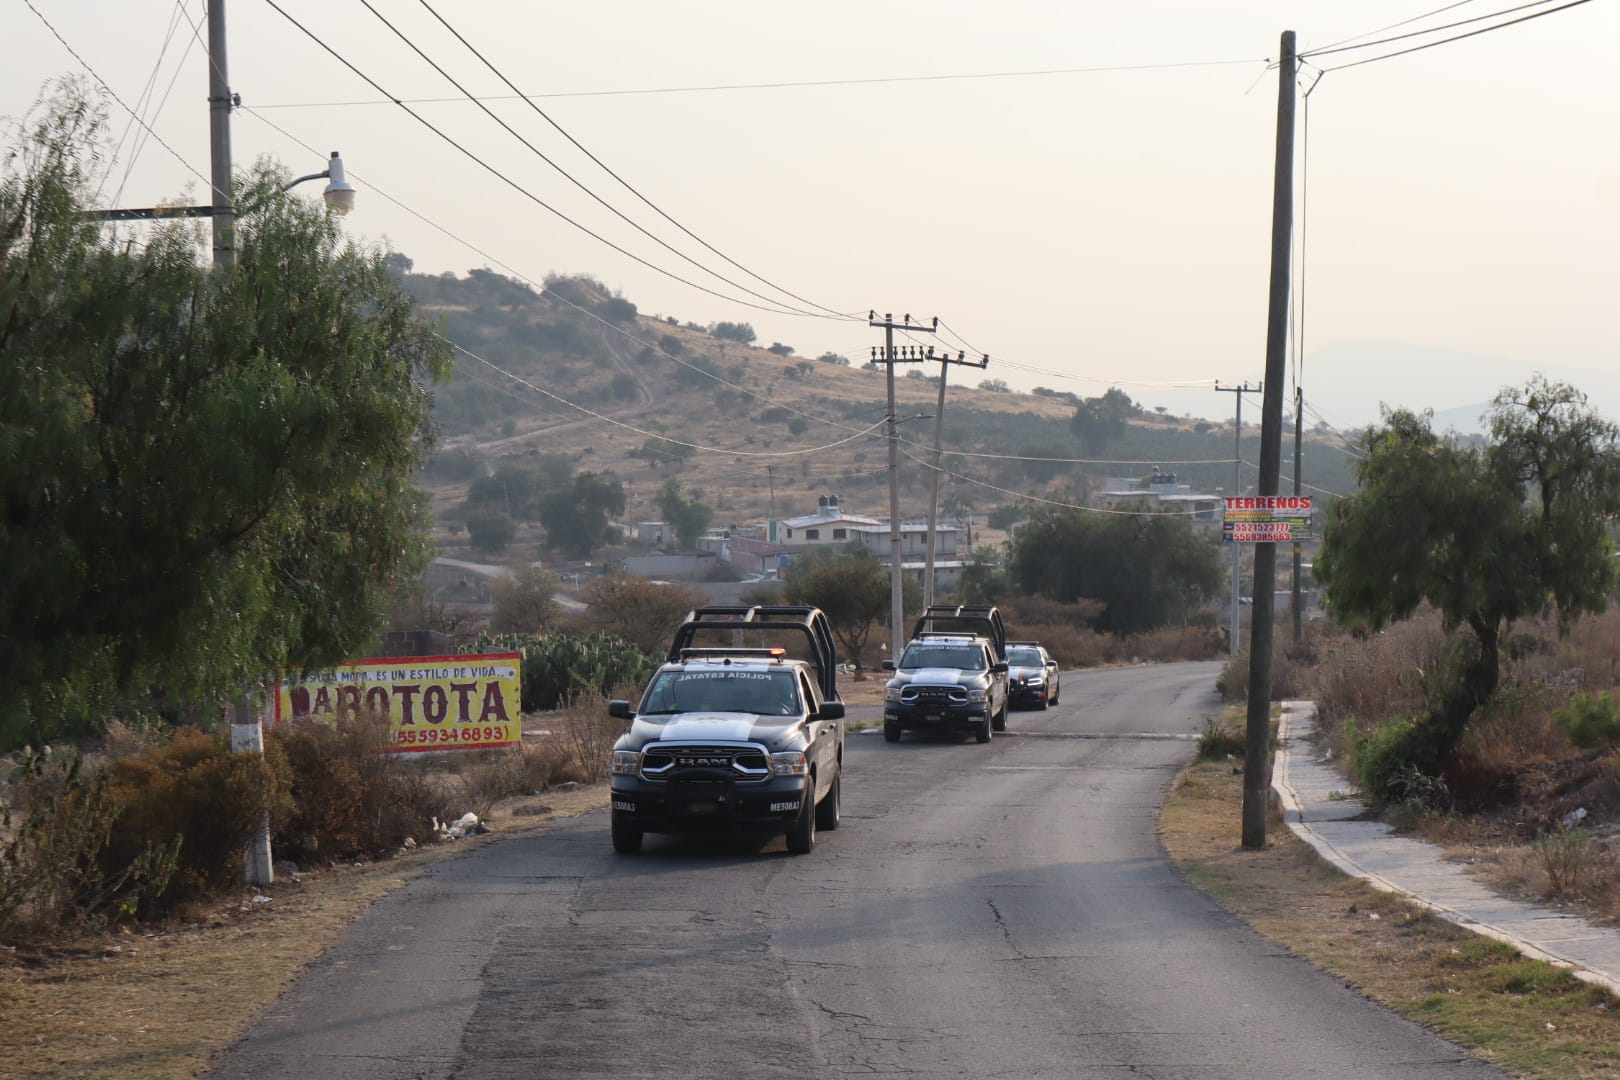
(736, 737)
(952, 676)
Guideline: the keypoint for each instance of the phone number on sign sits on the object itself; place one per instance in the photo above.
(1262, 531)
(450, 736)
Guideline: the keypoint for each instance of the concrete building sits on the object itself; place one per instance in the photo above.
(829, 525)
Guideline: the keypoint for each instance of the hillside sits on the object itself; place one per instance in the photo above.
(749, 408)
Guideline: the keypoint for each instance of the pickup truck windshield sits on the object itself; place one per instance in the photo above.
(764, 693)
(964, 656)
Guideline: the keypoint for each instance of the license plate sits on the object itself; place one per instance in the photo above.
(701, 808)
(933, 718)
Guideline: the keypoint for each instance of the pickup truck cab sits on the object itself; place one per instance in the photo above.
(952, 676)
(733, 737)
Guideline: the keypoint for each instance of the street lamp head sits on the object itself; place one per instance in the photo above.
(339, 195)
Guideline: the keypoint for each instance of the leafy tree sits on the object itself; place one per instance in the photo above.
(617, 310)
(834, 358)
(490, 531)
(670, 344)
(780, 349)
(1099, 421)
(1485, 534)
(995, 386)
(742, 333)
(577, 517)
(636, 610)
(207, 474)
(983, 580)
(1006, 516)
(853, 591)
(525, 601)
(1148, 568)
(687, 516)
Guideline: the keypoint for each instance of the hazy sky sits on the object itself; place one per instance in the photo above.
(1462, 210)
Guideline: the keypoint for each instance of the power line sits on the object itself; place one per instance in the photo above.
(519, 188)
(622, 181)
(962, 342)
(143, 101)
(114, 94)
(1049, 502)
(1458, 37)
(542, 290)
(564, 172)
(1395, 25)
(867, 81)
(1329, 50)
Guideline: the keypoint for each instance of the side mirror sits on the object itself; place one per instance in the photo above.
(887, 665)
(620, 710)
(999, 668)
(831, 710)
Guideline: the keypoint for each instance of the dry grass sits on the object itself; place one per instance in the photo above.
(155, 1004)
(1528, 1018)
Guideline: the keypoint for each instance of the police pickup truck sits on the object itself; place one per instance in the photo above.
(952, 676)
(736, 737)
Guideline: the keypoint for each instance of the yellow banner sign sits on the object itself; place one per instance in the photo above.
(431, 702)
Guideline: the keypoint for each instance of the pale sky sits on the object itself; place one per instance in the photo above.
(1462, 211)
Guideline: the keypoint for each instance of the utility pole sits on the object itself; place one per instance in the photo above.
(770, 471)
(945, 363)
(897, 612)
(1234, 627)
(220, 103)
(1257, 733)
(1299, 439)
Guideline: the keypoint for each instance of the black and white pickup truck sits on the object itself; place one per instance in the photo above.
(952, 676)
(736, 737)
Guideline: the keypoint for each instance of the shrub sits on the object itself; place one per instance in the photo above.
(560, 668)
(1384, 757)
(1568, 857)
(485, 777)
(1590, 721)
(1220, 739)
(347, 797)
(187, 807)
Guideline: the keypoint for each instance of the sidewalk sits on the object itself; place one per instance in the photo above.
(1313, 801)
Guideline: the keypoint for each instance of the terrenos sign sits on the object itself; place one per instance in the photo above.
(430, 702)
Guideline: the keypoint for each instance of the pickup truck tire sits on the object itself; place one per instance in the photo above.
(801, 838)
(982, 732)
(626, 838)
(1001, 717)
(891, 732)
(829, 811)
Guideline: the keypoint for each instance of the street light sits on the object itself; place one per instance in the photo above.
(339, 197)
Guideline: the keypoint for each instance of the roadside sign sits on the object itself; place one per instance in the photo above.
(432, 703)
(1266, 519)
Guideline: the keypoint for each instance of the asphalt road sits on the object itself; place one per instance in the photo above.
(985, 911)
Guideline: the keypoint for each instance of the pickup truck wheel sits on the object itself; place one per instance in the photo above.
(626, 838)
(801, 838)
(1001, 717)
(891, 732)
(828, 811)
(982, 732)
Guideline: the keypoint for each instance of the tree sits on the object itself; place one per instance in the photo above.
(1484, 534)
(995, 386)
(741, 333)
(983, 580)
(208, 473)
(853, 591)
(1099, 421)
(834, 358)
(577, 517)
(1147, 567)
(490, 530)
(780, 349)
(687, 516)
(525, 601)
(637, 610)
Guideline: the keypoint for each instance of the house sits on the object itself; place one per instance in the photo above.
(828, 525)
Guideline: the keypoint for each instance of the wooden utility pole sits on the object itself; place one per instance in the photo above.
(945, 363)
(1257, 740)
(1299, 439)
(897, 608)
(1234, 629)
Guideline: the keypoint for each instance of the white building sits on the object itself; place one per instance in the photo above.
(828, 525)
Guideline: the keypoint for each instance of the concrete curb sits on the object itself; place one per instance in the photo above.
(1303, 818)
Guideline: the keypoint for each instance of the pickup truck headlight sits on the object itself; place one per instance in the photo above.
(790, 763)
(626, 762)
(891, 695)
(978, 696)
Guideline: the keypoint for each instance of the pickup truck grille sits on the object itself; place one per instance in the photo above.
(700, 761)
(933, 695)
